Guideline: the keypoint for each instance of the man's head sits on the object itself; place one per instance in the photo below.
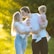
(25, 11)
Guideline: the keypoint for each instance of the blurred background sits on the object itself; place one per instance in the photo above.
(7, 8)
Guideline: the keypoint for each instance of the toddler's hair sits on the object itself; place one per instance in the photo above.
(42, 8)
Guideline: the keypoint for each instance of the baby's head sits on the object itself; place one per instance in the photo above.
(42, 9)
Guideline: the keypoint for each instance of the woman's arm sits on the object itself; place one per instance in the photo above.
(20, 31)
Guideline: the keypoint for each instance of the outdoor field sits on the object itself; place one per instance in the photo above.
(7, 44)
(8, 8)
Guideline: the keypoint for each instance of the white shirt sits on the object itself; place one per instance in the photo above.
(22, 28)
(34, 21)
(34, 24)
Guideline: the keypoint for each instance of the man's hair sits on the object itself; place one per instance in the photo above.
(26, 9)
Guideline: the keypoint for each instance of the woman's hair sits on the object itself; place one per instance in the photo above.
(16, 16)
(42, 8)
(26, 9)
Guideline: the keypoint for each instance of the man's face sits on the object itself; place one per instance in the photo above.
(23, 13)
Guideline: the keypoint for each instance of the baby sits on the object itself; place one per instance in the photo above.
(42, 20)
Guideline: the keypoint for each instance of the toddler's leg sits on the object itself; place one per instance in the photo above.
(48, 37)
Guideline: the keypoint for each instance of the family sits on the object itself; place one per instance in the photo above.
(34, 24)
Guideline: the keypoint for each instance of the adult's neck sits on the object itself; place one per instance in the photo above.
(29, 15)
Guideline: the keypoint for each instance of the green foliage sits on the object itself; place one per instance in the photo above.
(8, 7)
(34, 5)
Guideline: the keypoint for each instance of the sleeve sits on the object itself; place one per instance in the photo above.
(16, 24)
(17, 27)
(43, 21)
(13, 30)
(18, 30)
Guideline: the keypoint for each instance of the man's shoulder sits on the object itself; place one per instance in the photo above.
(35, 14)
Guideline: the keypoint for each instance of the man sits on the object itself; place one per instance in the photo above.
(41, 45)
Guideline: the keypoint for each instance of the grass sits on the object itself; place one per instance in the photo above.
(51, 46)
(7, 44)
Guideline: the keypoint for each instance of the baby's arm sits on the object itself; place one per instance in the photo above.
(43, 22)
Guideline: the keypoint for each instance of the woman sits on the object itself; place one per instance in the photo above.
(21, 33)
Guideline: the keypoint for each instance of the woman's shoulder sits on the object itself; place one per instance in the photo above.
(16, 23)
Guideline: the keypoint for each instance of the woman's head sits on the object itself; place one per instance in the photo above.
(16, 16)
(42, 9)
(25, 11)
